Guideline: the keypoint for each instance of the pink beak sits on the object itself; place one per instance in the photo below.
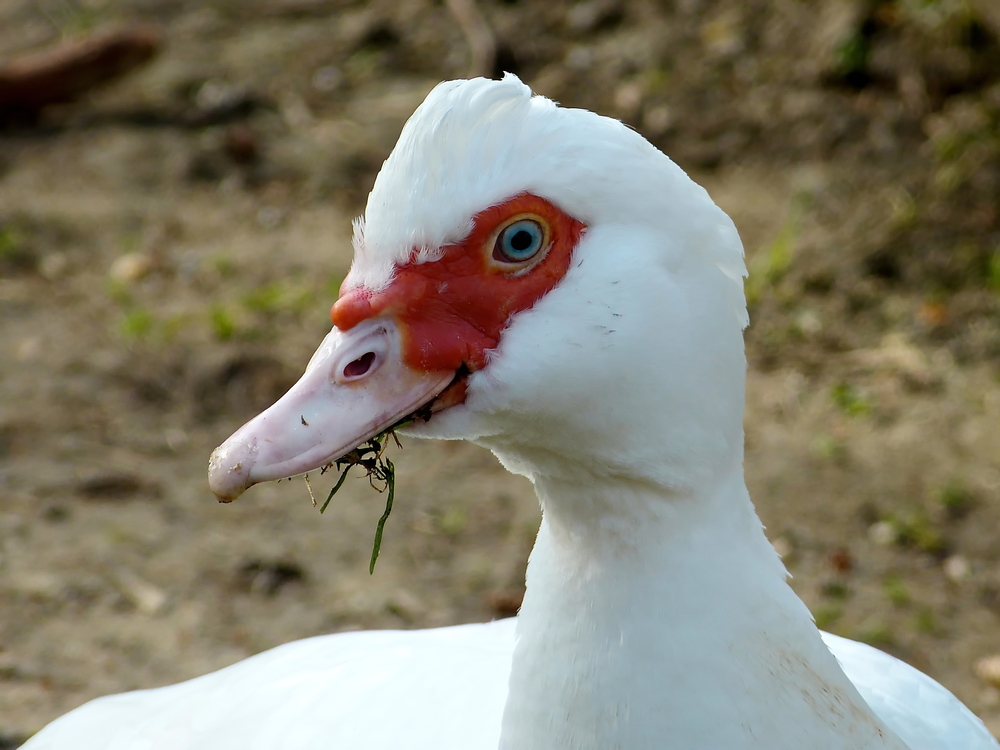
(355, 386)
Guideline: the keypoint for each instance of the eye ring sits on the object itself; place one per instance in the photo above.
(521, 240)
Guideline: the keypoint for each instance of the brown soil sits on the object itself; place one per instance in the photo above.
(170, 246)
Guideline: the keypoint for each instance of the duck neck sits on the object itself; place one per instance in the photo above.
(657, 620)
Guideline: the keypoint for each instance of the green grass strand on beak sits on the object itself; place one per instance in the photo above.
(379, 469)
(390, 478)
(337, 486)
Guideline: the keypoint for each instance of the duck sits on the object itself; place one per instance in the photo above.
(544, 282)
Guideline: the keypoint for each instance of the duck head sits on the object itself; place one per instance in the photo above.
(539, 280)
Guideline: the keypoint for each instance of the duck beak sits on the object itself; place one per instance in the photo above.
(355, 386)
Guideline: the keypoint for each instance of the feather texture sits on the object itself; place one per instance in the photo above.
(441, 689)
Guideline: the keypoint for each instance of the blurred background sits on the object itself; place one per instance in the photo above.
(177, 181)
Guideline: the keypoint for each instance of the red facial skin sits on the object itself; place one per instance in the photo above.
(452, 311)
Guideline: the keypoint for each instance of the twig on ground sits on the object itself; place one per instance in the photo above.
(62, 73)
(310, 488)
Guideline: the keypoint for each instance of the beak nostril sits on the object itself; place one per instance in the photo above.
(360, 366)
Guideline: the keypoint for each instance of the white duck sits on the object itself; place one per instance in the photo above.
(562, 293)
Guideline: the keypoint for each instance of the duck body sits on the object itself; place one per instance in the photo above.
(545, 283)
(441, 689)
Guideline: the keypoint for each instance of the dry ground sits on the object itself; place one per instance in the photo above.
(170, 247)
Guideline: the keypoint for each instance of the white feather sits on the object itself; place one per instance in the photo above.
(442, 689)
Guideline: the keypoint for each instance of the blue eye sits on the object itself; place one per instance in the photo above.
(519, 242)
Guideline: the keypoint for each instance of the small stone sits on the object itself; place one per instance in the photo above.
(53, 265)
(658, 120)
(883, 533)
(37, 585)
(175, 438)
(580, 58)
(592, 14)
(144, 596)
(296, 111)
(28, 349)
(131, 267)
(216, 95)
(809, 322)
(956, 568)
(628, 98)
(270, 217)
(898, 356)
(327, 79)
(988, 670)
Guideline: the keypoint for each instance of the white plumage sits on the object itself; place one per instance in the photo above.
(656, 615)
(422, 690)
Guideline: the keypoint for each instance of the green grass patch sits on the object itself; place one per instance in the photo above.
(224, 266)
(267, 299)
(453, 521)
(852, 54)
(827, 615)
(222, 322)
(381, 475)
(11, 241)
(836, 589)
(955, 499)
(119, 293)
(770, 265)
(895, 591)
(878, 635)
(925, 622)
(137, 324)
(14, 250)
(830, 448)
(915, 529)
(332, 286)
(849, 400)
(993, 272)
(277, 298)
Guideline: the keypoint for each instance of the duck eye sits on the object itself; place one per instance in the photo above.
(519, 242)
